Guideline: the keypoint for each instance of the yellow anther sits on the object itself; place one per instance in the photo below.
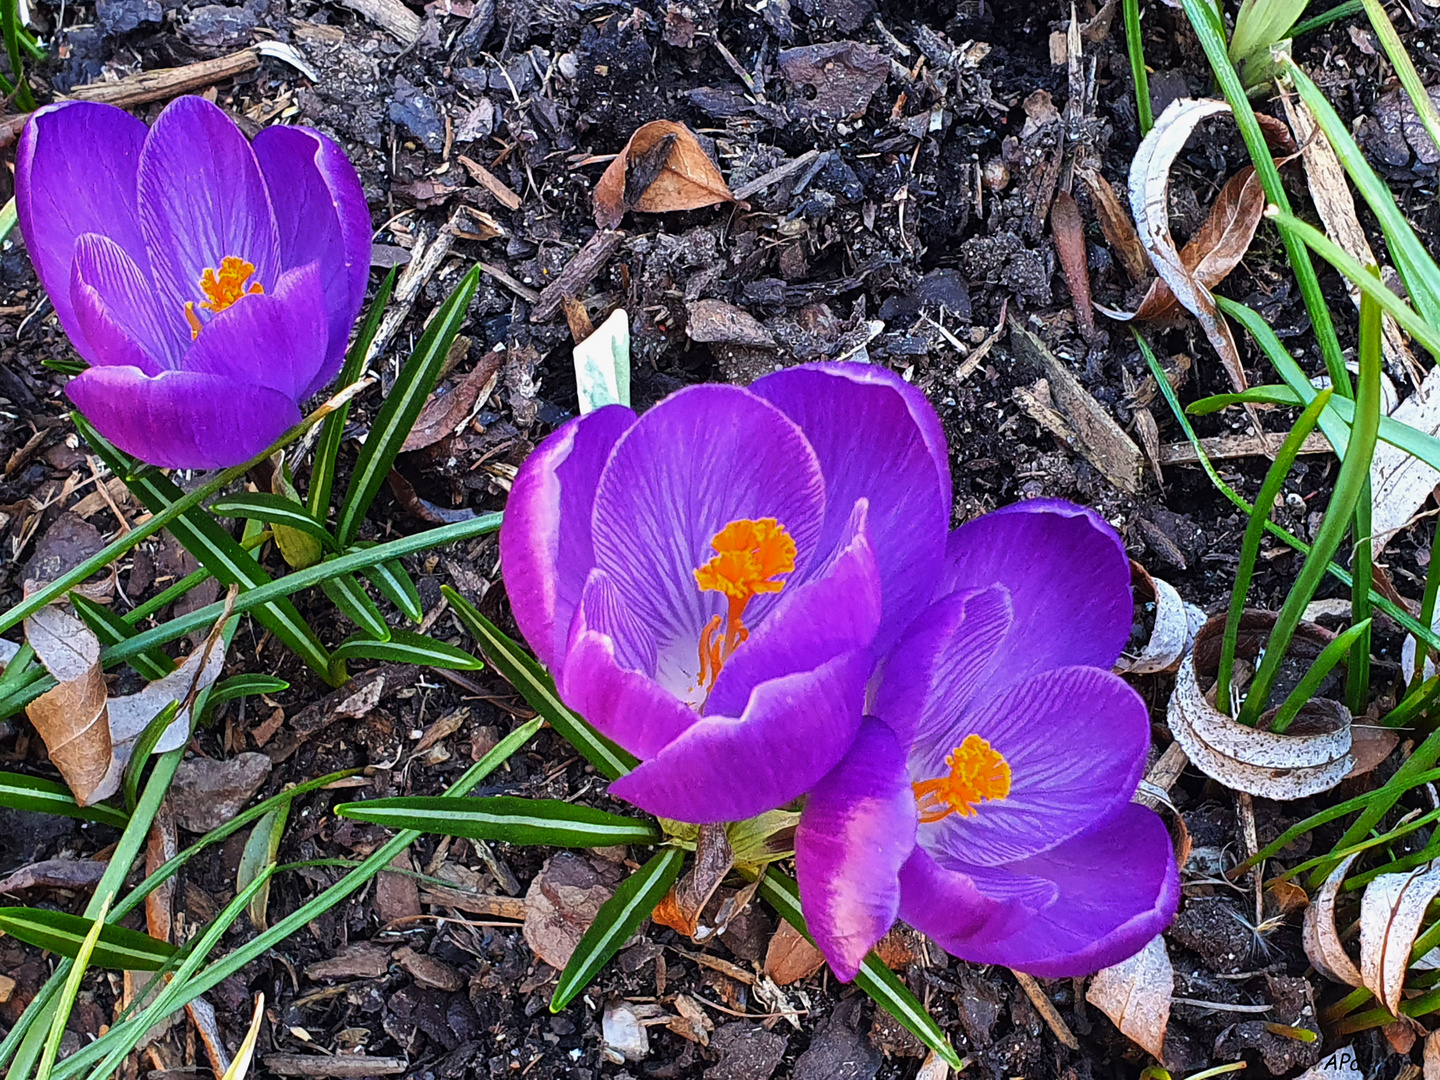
(978, 773)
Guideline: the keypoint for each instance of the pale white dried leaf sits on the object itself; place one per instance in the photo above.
(1342, 1064)
(1284, 766)
(65, 645)
(1320, 935)
(602, 364)
(1149, 203)
(1136, 994)
(1432, 1056)
(1170, 636)
(937, 1068)
(240, 1067)
(1391, 912)
(130, 714)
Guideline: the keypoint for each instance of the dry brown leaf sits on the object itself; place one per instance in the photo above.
(1149, 202)
(790, 957)
(1217, 246)
(1069, 233)
(1391, 912)
(71, 717)
(162, 845)
(1115, 223)
(450, 406)
(1370, 746)
(1432, 1056)
(1136, 994)
(1320, 935)
(683, 905)
(560, 905)
(662, 168)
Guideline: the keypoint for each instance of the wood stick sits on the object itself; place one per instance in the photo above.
(577, 273)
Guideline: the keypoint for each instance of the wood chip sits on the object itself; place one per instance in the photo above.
(491, 183)
(336, 1065)
(1046, 1008)
(390, 15)
(575, 275)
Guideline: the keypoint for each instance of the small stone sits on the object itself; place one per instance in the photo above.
(123, 16)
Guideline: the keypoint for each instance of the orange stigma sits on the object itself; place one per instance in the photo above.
(977, 773)
(222, 288)
(749, 554)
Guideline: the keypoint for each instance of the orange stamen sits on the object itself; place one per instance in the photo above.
(749, 554)
(222, 288)
(978, 774)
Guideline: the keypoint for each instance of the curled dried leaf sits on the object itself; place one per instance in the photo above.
(1311, 757)
(1319, 933)
(1175, 624)
(662, 168)
(1391, 912)
(1149, 202)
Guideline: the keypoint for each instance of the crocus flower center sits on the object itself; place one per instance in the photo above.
(222, 288)
(749, 554)
(978, 773)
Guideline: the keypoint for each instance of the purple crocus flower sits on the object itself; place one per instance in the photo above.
(710, 583)
(210, 284)
(986, 799)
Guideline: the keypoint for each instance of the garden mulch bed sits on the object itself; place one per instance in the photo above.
(930, 139)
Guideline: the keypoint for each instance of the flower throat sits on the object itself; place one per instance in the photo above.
(749, 555)
(222, 288)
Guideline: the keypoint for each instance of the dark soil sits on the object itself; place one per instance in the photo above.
(917, 231)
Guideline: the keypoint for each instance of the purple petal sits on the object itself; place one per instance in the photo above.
(202, 199)
(877, 438)
(930, 679)
(835, 612)
(795, 730)
(322, 217)
(1075, 740)
(856, 832)
(546, 551)
(275, 340)
(1117, 888)
(946, 905)
(114, 305)
(1069, 582)
(623, 703)
(75, 173)
(182, 419)
(702, 458)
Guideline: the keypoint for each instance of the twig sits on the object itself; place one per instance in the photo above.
(577, 273)
(1046, 1008)
(774, 176)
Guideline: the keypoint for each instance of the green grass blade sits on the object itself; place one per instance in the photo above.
(1404, 68)
(1321, 667)
(327, 450)
(538, 688)
(144, 747)
(10, 22)
(1210, 30)
(1416, 267)
(1250, 544)
(112, 629)
(47, 797)
(257, 860)
(402, 407)
(1135, 46)
(62, 934)
(1357, 690)
(273, 510)
(783, 894)
(617, 919)
(508, 818)
(1325, 18)
(407, 647)
(351, 598)
(187, 990)
(83, 959)
(242, 686)
(201, 535)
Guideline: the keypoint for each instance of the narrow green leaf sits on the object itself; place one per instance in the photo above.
(396, 585)
(201, 535)
(783, 894)
(144, 747)
(1323, 664)
(537, 688)
(1325, 18)
(273, 510)
(351, 598)
(112, 629)
(407, 647)
(617, 919)
(72, 988)
(402, 407)
(47, 797)
(332, 429)
(507, 818)
(62, 934)
(1138, 73)
(257, 858)
(238, 686)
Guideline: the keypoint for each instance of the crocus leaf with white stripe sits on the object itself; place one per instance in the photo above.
(273, 510)
(47, 797)
(350, 597)
(506, 818)
(62, 934)
(407, 647)
(617, 919)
